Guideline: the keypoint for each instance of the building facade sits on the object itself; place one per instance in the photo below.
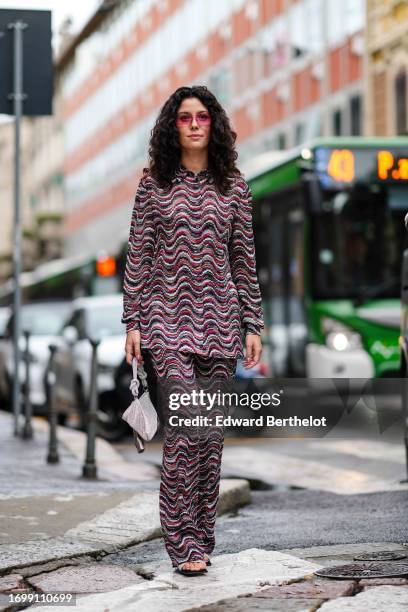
(42, 192)
(284, 70)
(386, 62)
(28, 238)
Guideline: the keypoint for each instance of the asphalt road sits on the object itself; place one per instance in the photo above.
(280, 519)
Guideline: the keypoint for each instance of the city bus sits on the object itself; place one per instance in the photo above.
(329, 235)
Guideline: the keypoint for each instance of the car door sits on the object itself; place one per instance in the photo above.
(5, 361)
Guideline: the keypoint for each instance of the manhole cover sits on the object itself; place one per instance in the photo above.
(381, 555)
(364, 570)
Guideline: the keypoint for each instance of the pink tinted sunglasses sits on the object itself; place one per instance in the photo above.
(202, 118)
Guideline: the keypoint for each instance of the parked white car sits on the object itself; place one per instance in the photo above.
(5, 312)
(95, 318)
(44, 320)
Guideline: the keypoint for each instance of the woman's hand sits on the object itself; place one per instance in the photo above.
(253, 346)
(132, 347)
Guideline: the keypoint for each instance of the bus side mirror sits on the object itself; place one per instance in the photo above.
(406, 221)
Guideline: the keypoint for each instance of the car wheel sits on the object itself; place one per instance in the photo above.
(62, 419)
(7, 399)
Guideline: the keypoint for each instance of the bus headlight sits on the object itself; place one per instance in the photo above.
(340, 337)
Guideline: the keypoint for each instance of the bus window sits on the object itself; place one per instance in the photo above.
(278, 300)
(296, 306)
(357, 243)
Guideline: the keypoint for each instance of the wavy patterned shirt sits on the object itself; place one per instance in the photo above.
(190, 280)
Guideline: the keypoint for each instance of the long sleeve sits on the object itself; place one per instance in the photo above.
(140, 255)
(243, 266)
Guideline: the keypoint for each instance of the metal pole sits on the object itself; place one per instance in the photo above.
(28, 428)
(52, 456)
(89, 469)
(18, 97)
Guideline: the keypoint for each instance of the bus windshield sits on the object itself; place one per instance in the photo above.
(358, 238)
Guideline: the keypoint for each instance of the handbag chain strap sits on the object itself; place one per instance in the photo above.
(134, 385)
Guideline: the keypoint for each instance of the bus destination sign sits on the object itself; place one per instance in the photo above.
(337, 167)
(390, 167)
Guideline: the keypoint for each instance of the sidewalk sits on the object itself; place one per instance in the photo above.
(58, 532)
(251, 580)
(49, 512)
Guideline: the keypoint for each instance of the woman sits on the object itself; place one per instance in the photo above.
(190, 293)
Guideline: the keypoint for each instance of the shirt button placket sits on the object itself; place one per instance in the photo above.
(200, 305)
(202, 270)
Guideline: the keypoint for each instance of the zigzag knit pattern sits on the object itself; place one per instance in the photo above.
(191, 463)
(190, 279)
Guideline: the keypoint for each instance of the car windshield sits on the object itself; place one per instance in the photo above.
(44, 319)
(104, 321)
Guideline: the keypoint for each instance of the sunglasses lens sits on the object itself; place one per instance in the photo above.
(186, 119)
(203, 118)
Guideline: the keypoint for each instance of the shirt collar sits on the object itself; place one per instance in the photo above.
(183, 173)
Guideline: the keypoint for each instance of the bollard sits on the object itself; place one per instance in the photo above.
(53, 456)
(27, 432)
(89, 469)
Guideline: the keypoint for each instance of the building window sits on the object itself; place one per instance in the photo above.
(355, 15)
(355, 115)
(335, 22)
(281, 141)
(315, 16)
(337, 127)
(401, 103)
(299, 133)
(220, 84)
(268, 144)
(274, 44)
(298, 34)
(306, 33)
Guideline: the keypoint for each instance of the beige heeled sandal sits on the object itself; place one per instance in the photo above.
(189, 572)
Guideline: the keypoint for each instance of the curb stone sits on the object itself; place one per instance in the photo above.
(106, 534)
(381, 599)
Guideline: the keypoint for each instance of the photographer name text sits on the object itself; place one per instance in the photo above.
(229, 421)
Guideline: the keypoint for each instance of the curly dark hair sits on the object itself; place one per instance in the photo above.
(164, 146)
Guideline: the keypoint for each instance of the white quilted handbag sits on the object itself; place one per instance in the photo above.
(141, 415)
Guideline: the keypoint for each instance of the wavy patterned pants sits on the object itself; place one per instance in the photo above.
(191, 462)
